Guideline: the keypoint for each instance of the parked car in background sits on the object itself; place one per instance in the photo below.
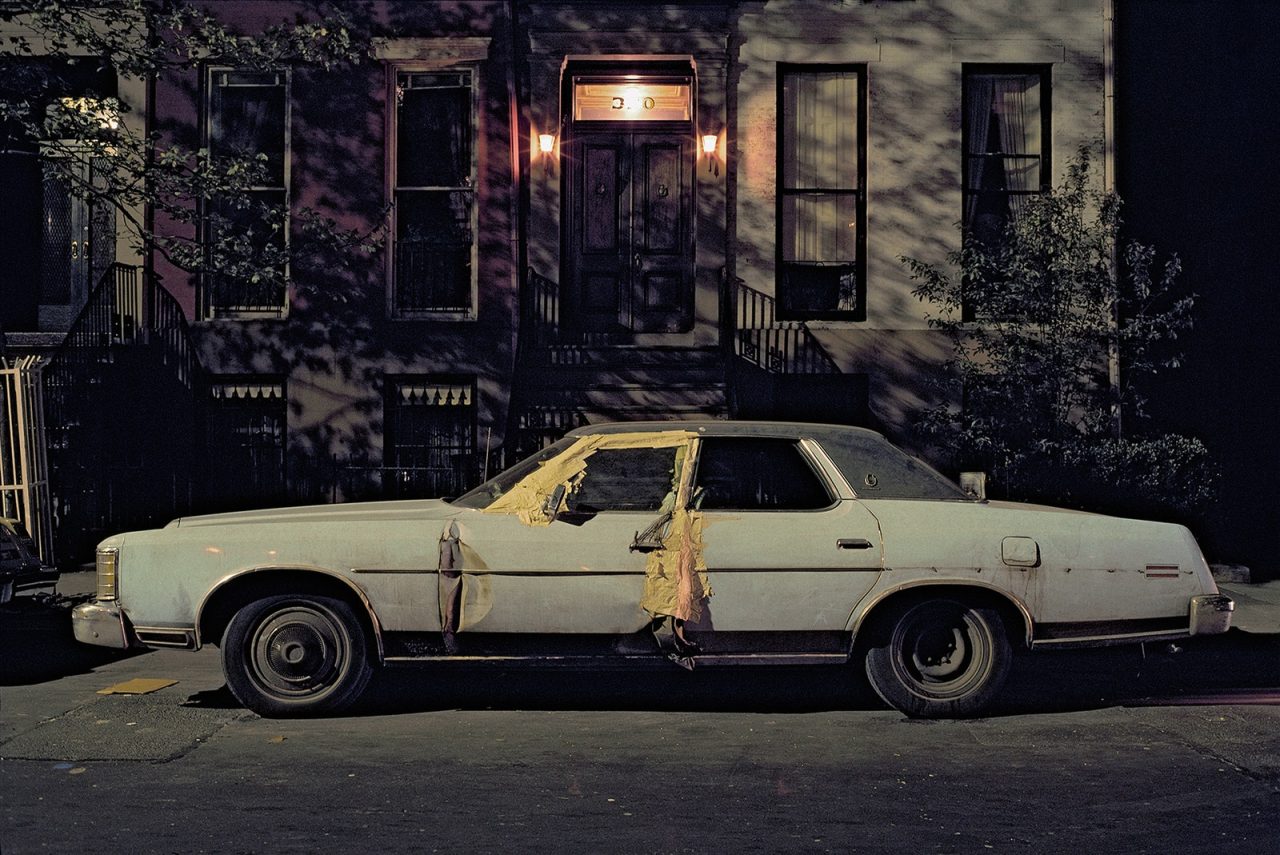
(20, 559)
(679, 544)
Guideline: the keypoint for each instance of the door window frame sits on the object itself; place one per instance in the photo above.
(802, 447)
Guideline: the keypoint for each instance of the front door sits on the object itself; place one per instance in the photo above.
(630, 241)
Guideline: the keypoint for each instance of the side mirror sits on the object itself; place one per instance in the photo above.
(650, 540)
(551, 507)
(975, 484)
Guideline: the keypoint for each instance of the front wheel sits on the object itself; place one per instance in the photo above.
(296, 655)
(940, 658)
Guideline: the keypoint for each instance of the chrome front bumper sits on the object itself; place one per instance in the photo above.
(100, 623)
(1211, 614)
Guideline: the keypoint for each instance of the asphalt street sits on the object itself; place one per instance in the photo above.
(1120, 750)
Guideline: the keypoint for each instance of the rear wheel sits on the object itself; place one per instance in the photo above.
(296, 655)
(940, 658)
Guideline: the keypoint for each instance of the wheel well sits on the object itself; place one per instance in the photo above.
(874, 625)
(225, 601)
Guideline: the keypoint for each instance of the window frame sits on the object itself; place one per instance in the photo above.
(787, 71)
(394, 69)
(672, 493)
(208, 310)
(969, 70)
(806, 456)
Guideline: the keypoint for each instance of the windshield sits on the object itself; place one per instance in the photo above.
(497, 486)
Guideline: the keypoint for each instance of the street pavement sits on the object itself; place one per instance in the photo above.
(1118, 750)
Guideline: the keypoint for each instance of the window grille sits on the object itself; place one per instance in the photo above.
(246, 431)
(430, 437)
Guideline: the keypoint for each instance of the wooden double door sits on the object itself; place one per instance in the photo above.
(629, 264)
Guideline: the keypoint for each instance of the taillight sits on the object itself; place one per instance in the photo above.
(108, 565)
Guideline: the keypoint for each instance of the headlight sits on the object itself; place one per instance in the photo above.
(108, 563)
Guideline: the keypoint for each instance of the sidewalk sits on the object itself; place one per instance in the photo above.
(1257, 606)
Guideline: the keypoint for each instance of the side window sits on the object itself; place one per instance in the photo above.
(821, 209)
(1005, 138)
(433, 187)
(757, 475)
(625, 479)
(248, 117)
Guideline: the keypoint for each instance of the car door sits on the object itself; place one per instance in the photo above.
(784, 551)
(577, 574)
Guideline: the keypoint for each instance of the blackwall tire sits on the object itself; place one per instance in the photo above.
(940, 658)
(296, 655)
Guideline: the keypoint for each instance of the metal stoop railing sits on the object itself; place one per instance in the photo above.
(118, 390)
(780, 347)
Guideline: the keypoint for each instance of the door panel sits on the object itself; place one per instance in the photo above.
(601, 185)
(787, 570)
(662, 279)
(562, 578)
(630, 264)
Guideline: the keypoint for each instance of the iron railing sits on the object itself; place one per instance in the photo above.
(120, 397)
(24, 471)
(779, 347)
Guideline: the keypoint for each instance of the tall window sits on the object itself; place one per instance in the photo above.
(246, 441)
(821, 197)
(429, 442)
(434, 194)
(1005, 138)
(248, 117)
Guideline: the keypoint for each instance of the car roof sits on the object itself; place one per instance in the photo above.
(725, 427)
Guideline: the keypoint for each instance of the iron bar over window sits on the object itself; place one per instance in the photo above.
(821, 198)
(434, 193)
(430, 437)
(246, 441)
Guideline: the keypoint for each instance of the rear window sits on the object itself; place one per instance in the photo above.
(877, 470)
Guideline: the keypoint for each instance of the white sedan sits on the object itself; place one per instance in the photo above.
(687, 544)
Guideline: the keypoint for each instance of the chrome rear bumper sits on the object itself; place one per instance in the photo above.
(1211, 614)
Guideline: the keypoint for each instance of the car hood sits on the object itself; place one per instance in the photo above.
(355, 512)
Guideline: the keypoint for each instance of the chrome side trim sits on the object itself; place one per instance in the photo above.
(1107, 640)
(166, 636)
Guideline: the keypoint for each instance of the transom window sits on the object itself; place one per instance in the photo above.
(248, 117)
(747, 474)
(433, 189)
(1005, 137)
(821, 199)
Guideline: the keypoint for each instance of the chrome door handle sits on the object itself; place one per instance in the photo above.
(853, 543)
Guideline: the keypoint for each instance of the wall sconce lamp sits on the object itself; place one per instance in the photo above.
(547, 151)
(711, 149)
